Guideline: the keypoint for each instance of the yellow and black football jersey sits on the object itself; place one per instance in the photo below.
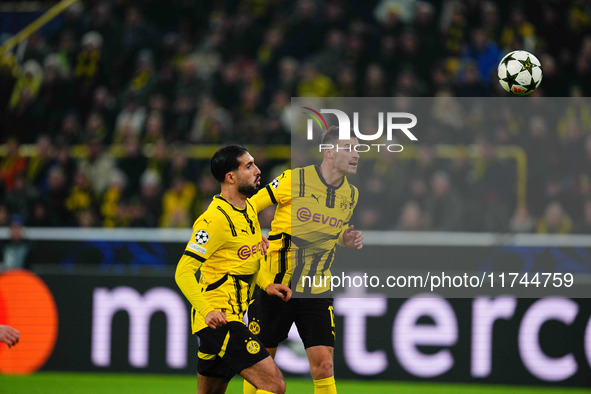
(226, 247)
(309, 220)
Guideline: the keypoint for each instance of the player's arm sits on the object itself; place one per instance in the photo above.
(265, 281)
(276, 192)
(351, 238)
(208, 235)
(348, 237)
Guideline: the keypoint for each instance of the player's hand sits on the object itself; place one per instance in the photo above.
(264, 244)
(215, 319)
(279, 290)
(352, 239)
(9, 335)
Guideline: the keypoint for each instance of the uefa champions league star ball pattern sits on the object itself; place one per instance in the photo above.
(520, 73)
(201, 237)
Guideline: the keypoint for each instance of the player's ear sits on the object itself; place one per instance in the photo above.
(230, 177)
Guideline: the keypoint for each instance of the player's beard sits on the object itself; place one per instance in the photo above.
(248, 190)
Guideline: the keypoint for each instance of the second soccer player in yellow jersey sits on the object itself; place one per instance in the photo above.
(314, 207)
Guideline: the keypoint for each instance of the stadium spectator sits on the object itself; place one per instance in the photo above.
(80, 198)
(131, 119)
(12, 164)
(20, 198)
(212, 123)
(4, 215)
(16, 250)
(177, 203)
(470, 84)
(184, 115)
(105, 104)
(143, 80)
(554, 221)
(521, 221)
(38, 165)
(484, 53)
(110, 204)
(65, 161)
(89, 67)
(96, 128)
(151, 197)
(39, 214)
(518, 32)
(133, 164)
(55, 196)
(314, 84)
(87, 218)
(412, 218)
(9, 70)
(154, 128)
(583, 226)
(56, 91)
(97, 165)
(376, 83)
(443, 205)
(22, 105)
(70, 132)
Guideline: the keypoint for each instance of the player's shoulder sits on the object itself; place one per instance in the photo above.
(214, 215)
(282, 179)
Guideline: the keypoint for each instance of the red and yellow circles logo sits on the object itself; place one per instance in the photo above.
(27, 305)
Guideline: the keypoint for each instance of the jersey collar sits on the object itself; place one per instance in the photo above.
(317, 168)
(219, 196)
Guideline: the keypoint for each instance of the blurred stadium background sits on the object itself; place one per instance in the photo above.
(110, 111)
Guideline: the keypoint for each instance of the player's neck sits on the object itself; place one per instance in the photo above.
(331, 175)
(234, 197)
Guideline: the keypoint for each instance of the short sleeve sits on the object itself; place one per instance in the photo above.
(276, 192)
(209, 234)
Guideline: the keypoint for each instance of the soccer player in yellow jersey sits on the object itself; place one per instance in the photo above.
(226, 246)
(314, 207)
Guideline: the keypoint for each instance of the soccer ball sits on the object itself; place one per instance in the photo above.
(520, 73)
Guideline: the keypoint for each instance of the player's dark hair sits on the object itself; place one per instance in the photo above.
(226, 160)
(331, 136)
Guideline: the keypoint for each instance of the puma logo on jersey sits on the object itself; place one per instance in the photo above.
(316, 198)
(206, 222)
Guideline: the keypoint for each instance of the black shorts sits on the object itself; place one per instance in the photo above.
(227, 350)
(271, 319)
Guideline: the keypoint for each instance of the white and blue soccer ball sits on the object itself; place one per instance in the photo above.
(520, 73)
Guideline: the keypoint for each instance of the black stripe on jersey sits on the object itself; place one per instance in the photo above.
(283, 251)
(283, 258)
(245, 278)
(217, 283)
(274, 237)
(273, 200)
(232, 227)
(250, 223)
(328, 262)
(238, 298)
(299, 268)
(312, 271)
(195, 256)
(314, 263)
(302, 184)
(193, 315)
(330, 197)
(352, 197)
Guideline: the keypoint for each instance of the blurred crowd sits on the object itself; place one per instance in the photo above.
(154, 76)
